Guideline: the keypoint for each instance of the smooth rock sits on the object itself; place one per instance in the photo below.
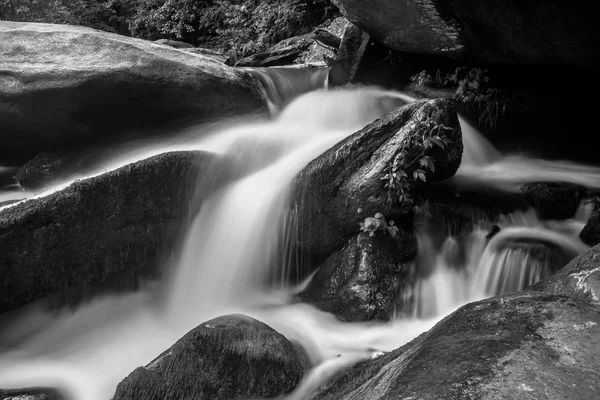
(65, 86)
(506, 31)
(229, 357)
(119, 226)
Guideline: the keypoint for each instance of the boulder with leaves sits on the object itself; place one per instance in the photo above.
(421, 139)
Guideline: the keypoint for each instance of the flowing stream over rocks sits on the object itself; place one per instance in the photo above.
(232, 242)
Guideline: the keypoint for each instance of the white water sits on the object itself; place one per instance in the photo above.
(228, 248)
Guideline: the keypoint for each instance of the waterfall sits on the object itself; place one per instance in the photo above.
(232, 243)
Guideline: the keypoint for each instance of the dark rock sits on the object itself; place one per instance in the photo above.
(43, 170)
(507, 31)
(590, 234)
(233, 356)
(65, 86)
(351, 50)
(327, 39)
(119, 226)
(343, 186)
(360, 281)
(7, 175)
(553, 200)
(525, 345)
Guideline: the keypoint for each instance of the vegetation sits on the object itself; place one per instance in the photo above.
(413, 162)
(470, 89)
(240, 27)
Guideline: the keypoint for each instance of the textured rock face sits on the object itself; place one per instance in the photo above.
(520, 346)
(507, 31)
(360, 281)
(229, 357)
(343, 186)
(122, 224)
(553, 200)
(542, 343)
(66, 86)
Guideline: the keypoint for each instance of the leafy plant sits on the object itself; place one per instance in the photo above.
(413, 162)
(378, 223)
(470, 89)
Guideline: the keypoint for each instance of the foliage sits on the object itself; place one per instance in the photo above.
(107, 15)
(241, 27)
(378, 223)
(413, 162)
(470, 89)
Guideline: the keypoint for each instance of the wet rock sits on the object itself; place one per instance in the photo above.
(553, 200)
(284, 53)
(343, 186)
(352, 47)
(43, 170)
(360, 281)
(233, 356)
(324, 44)
(507, 31)
(65, 86)
(525, 345)
(590, 234)
(117, 227)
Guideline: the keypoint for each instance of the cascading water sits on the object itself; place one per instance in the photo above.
(231, 244)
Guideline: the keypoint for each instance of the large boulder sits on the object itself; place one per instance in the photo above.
(360, 282)
(229, 357)
(119, 226)
(506, 31)
(343, 186)
(66, 86)
(542, 343)
(520, 346)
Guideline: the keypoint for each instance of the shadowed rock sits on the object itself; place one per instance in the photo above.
(507, 31)
(229, 357)
(590, 234)
(118, 226)
(66, 86)
(343, 186)
(360, 281)
(553, 200)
